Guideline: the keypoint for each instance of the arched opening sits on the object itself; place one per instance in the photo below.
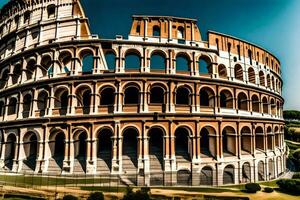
(228, 175)
(51, 10)
(61, 100)
(157, 95)
(132, 95)
(65, 59)
(265, 105)
(273, 107)
(83, 97)
(80, 147)
(268, 81)
(279, 166)
(184, 177)
(157, 61)
(110, 58)
(132, 61)
(259, 139)
(206, 176)
(57, 148)
(270, 138)
(42, 103)
(204, 65)
(207, 97)
(182, 63)
(107, 96)
(10, 148)
(277, 137)
(261, 171)
(26, 105)
(271, 169)
(182, 144)
(87, 60)
(130, 151)
(156, 154)
(226, 99)
(46, 63)
(12, 106)
(246, 140)
(4, 78)
(104, 150)
(2, 108)
(242, 101)
(255, 103)
(30, 69)
(251, 75)
(183, 96)
(205, 143)
(222, 71)
(262, 78)
(246, 172)
(31, 151)
(156, 31)
(273, 84)
(238, 72)
(16, 74)
(229, 141)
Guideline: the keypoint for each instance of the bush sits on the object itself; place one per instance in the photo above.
(70, 197)
(289, 186)
(96, 196)
(138, 195)
(268, 189)
(252, 187)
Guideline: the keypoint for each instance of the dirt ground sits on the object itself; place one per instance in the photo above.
(59, 192)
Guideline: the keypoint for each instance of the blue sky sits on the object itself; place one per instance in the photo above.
(272, 24)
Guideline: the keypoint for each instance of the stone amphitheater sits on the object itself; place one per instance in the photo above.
(163, 106)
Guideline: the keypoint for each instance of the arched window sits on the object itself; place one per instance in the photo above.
(222, 71)
(180, 32)
(242, 101)
(238, 72)
(259, 138)
(207, 97)
(157, 95)
(255, 103)
(61, 100)
(273, 107)
(87, 62)
(26, 105)
(132, 95)
(268, 81)
(51, 10)
(250, 56)
(265, 105)
(110, 60)
(226, 99)
(156, 148)
(204, 65)
(16, 74)
(269, 138)
(132, 61)
(246, 139)
(30, 69)
(83, 97)
(251, 75)
(107, 96)
(228, 140)
(183, 96)
(182, 143)
(130, 148)
(228, 175)
(157, 61)
(12, 106)
(2, 108)
(4, 78)
(273, 83)
(46, 63)
(42, 102)
(262, 78)
(65, 59)
(182, 63)
(105, 148)
(156, 31)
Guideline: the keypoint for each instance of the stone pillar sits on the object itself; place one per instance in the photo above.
(51, 101)
(34, 106)
(20, 106)
(71, 103)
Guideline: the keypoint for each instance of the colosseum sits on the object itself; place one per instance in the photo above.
(163, 106)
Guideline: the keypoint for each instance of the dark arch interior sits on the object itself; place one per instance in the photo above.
(131, 95)
(156, 31)
(130, 143)
(228, 140)
(206, 98)
(182, 96)
(206, 176)
(246, 139)
(16, 74)
(42, 102)
(157, 95)
(259, 138)
(107, 96)
(157, 62)
(226, 100)
(246, 172)
(156, 145)
(26, 105)
(242, 101)
(82, 145)
(105, 146)
(204, 141)
(10, 150)
(182, 143)
(228, 175)
(12, 107)
(255, 103)
(59, 146)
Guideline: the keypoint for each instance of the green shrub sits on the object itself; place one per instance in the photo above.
(252, 187)
(70, 197)
(268, 189)
(289, 186)
(138, 195)
(96, 196)
(296, 176)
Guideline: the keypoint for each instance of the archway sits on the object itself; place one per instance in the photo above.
(182, 63)
(183, 96)
(255, 103)
(131, 95)
(110, 58)
(83, 97)
(184, 177)
(259, 139)
(269, 138)
(262, 78)
(204, 65)
(246, 140)
(182, 143)
(42, 103)
(27, 105)
(228, 175)
(206, 176)
(204, 142)
(10, 149)
(157, 61)
(222, 71)
(229, 141)
(16, 74)
(105, 150)
(271, 169)
(226, 99)
(251, 75)
(132, 61)
(62, 100)
(130, 149)
(57, 148)
(207, 96)
(157, 95)
(238, 72)
(107, 96)
(31, 150)
(80, 147)
(261, 171)
(246, 172)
